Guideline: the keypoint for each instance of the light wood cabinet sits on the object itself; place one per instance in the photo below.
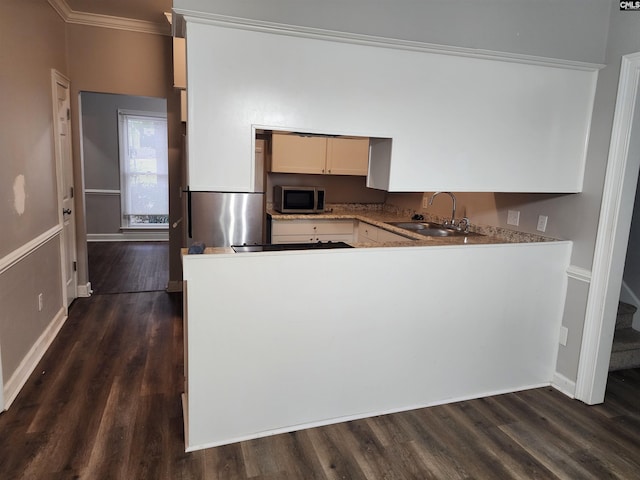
(291, 153)
(311, 231)
(179, 63)
(298, 154)
(347, 156)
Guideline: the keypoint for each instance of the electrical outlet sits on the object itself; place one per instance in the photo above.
(513, 217)
(564, 334)
(542, 223)
(40, 301)
(425, 201)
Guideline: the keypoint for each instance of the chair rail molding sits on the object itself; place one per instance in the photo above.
(579, 273)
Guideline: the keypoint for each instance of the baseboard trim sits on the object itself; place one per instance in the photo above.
(564, 385)
(30, 361)
(84, 291)
(174, 286)
(129, 236)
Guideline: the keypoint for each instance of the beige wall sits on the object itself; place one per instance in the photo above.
(117, 61)
(33, 41)
(32, 37)
(339, 188)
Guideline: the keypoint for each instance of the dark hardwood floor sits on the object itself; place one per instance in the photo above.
(123, 267)
(104, 403)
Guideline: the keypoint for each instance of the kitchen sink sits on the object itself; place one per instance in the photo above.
(429, 229)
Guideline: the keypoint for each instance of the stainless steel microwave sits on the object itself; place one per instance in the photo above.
(288, 199)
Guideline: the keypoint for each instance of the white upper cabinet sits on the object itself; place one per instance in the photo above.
(437, 121)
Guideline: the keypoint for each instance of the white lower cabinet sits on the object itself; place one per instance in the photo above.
(322, 230)
(305, 231)
(368, 233)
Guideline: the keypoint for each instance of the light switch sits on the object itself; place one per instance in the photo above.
(564, 334)
(513, 217)
(542, 223)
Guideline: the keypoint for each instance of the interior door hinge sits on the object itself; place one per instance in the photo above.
(75, 266)
(68, 114)
(71, 192)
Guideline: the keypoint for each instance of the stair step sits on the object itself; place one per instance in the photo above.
(626, 349)
(624, 318)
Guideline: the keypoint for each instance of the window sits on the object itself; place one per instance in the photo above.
(144, 179)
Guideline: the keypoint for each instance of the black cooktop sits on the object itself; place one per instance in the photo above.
(288, 246)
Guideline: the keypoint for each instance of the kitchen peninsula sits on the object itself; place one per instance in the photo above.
(279, 341)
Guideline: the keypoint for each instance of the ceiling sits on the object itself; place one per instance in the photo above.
(145, 10)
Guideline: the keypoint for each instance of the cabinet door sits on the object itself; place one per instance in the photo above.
(367, 233)
(302, 231)
(334, 227)
(293, 227)
(297, 154)
(387, 236)
(348, 156)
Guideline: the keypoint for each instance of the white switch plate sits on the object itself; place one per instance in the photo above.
(425, 202)
(542, 223)
(564, 333)
(513, 217)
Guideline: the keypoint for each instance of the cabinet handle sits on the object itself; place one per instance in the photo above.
(329, 171)
(323, 170)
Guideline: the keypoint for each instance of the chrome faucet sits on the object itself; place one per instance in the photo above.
(453, 212)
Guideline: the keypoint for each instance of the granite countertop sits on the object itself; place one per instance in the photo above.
(379, 218)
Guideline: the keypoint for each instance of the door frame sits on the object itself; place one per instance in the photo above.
(59, 78)
(611, 242)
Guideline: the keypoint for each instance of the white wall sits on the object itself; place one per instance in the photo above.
(340, 345)
(568, 29)
(594, 31)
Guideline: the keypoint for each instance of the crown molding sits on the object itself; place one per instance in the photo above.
(182, 16)
(107, 21)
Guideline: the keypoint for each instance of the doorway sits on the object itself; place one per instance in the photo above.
(141, 245)
(612, 237)
(64, 172)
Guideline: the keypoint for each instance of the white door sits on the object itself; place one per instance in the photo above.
(64, 165)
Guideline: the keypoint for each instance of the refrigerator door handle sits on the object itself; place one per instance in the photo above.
(189, 222)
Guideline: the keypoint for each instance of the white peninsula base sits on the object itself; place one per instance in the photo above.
(280, 341)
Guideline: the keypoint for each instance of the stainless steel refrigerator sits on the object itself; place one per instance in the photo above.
(220, 219)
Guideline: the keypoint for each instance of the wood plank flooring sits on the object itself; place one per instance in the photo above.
(104, 403)
(124, 267)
